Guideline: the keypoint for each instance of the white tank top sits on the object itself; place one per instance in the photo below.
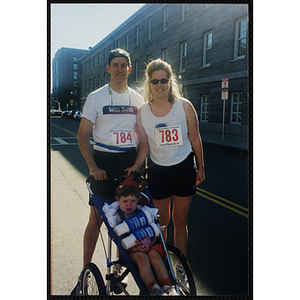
(168, 135)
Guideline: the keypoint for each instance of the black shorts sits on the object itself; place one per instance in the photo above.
(178, 180)
(113, 164)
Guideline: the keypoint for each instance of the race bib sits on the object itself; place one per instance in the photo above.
(122, 138)
(168, 136)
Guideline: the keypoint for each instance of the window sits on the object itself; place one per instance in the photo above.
(127, 42)
(137, 66)
(236, 108)
(164, 55)
(149, 58)
(204, 108)
(165, 19)
(240, 38)
(183, 54)
(150, 28)
(207, 48)
(184, 12)
(137, 36)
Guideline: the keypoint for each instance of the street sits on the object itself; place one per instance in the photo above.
(217, 223)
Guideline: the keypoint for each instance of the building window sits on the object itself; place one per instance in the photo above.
(164, 55)
(165, 19)
(240, 38)
(150, 28)
(207, 48)
(183, 54)
(149, 58)
(236, 108)
(184, 12)
(99, 81)
(204, 108)
(137, 70)
(127, 42)
(137, 35)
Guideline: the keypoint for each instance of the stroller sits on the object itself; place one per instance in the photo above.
(93, 283)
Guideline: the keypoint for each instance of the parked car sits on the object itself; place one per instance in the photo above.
(71, 113)
(55, 112)
(64, 114)
(77, 115)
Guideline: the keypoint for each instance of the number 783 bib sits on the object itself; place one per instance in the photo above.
(168, 136)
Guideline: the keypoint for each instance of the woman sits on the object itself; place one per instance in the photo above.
(168, 126)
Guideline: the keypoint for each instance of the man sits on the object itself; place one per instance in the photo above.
(110, 112)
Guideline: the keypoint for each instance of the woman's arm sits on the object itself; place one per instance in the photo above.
(195, 138)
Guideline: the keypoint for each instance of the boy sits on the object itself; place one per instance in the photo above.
(144, 255)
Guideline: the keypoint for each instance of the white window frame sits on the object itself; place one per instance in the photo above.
(127, 42)
(204, 108)
(150, 26)
(238, 38)
(164, 55)
(184, 12)
(137, 69)
(207, 47)
(137, 35)
(183, 56)
(236, 98)
(165, 19)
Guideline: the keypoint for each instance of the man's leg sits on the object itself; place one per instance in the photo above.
(91, 235)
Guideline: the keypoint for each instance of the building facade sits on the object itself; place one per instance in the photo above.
(66, 78)
(204, 43)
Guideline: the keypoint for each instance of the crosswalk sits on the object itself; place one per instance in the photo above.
(65, 141)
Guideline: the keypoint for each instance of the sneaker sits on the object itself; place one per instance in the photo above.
(181, 275)
(79, 284)
(156, 290)
(169, 290)
(118, 271)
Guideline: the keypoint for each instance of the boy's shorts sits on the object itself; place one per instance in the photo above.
(178, 180)
(113, 164)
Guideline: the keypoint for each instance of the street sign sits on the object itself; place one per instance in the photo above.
(225, 83)
(224, 95)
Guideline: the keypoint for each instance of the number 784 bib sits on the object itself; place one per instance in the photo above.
(168, 136)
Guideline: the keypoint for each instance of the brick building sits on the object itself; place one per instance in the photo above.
(204, 43)
(66, 77)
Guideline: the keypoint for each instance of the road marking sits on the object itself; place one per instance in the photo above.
(66, 130)
(221, 203)
(61, 141)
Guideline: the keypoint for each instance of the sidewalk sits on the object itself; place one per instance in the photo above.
(230, 141)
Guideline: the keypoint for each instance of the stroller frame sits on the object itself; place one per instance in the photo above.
(92, 280)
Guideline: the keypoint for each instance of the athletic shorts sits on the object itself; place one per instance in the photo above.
(178, 180)
(113, 164)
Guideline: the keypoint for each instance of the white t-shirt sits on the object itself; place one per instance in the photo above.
(114, 118)
(167, 136)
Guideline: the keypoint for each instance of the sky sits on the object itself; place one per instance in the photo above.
(85, 25)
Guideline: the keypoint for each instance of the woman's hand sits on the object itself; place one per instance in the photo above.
(135, 168)
(200, 177)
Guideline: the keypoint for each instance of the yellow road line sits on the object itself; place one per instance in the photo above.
(225, 200)
(66, 130)
(222, 204)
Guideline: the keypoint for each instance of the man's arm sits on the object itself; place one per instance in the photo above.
(84, 132)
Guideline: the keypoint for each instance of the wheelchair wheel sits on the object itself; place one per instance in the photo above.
(92, 282)
(182, 272)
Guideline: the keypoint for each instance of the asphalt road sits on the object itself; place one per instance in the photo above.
(218, 219)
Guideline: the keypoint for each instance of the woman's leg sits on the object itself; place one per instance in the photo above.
(163, 206)
(181, 206)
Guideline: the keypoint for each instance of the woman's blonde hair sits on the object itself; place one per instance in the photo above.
(158, 65)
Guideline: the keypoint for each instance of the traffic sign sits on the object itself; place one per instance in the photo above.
(225, 83)
(224, 94)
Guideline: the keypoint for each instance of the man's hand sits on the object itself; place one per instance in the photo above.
(98, 174)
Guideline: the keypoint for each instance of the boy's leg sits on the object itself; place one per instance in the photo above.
(158, 265)
(143, 263)
(91, 235)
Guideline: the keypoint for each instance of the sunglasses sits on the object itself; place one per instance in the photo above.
(156, 81)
